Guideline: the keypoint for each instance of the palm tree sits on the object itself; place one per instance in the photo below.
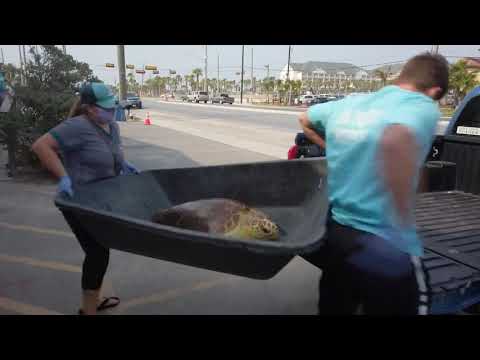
(268, 84)
(132, 83)
(189, 81)
(461, 80)
(383, 75)
(197, 72)
(178, 80)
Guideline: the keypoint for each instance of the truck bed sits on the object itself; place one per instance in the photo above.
(449, 223)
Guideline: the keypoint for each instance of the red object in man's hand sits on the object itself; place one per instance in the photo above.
(292, 152)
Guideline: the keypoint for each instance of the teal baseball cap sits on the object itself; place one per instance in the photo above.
(97, 93)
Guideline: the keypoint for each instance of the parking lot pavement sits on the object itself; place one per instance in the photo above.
(40, 260)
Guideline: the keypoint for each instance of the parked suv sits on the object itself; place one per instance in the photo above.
(198, 96)
(306, 99)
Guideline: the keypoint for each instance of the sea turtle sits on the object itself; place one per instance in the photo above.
(219, 216)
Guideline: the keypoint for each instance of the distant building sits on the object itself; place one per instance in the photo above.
(392, 70)
(312, 70)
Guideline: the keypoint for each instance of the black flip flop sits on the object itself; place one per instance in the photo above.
(104, 304)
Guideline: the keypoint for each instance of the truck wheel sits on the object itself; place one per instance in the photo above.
(197, 101)
(205, 101)
(474, 309)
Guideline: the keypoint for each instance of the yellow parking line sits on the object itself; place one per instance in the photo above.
(107, 288)
(40, 263)
(37, 230)
(171, 294)
(24, 309)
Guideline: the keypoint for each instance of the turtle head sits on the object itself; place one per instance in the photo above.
(265, 229)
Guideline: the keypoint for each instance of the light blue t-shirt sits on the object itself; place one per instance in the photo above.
(353, 128)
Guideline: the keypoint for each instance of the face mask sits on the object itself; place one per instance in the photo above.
(104, 116)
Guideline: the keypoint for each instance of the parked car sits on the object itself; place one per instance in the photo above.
(319, 100)
(198, 96)
(133, 100)
(223, 99)
(306, 99)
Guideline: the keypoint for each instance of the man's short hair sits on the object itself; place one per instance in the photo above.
(425, 71)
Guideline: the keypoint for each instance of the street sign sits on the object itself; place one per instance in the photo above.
(150, 67)
(109, 65)
(128, 66)
(140, 71)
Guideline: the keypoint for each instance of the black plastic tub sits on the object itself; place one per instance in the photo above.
(117, 213)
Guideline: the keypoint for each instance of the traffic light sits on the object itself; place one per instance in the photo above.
(109, 65)
(140, 71)
(131, 67)
(150, 67)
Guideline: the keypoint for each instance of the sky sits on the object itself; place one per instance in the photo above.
(184, 58)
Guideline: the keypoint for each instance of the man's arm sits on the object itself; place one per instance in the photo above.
(398, 153)
(308, 130)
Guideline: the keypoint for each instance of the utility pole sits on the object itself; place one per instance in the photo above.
(288, 76)
(64, 47)
(218, 73)
(24, 56)
(143, 73)
(122, 78)
(251, 74)
(268, 81)
(22, 75)
(3, 58)
(435, 49)
(241, 81)
(205, 85)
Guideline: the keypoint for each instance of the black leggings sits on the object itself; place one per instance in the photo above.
(96, 256)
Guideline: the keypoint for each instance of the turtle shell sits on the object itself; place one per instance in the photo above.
(219, 216)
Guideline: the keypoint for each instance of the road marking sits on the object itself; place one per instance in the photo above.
(172, 294)
(37, 230)
(107, 288)
(25, 309)
(14, 205)
(41, 263)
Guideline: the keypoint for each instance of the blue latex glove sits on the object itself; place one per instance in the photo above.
(65, 185)
(129, 168)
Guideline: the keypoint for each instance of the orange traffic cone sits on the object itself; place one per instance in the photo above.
(147, 120)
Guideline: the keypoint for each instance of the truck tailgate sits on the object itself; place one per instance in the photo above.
(449, 224)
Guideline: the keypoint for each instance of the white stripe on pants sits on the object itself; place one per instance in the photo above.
(422, 285)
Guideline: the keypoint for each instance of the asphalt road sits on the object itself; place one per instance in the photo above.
(274, 118)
